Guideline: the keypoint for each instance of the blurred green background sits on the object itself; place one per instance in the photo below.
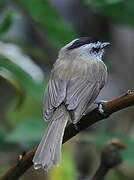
(31, 33)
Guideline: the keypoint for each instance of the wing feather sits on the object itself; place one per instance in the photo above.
(54, 96)
(77, 93)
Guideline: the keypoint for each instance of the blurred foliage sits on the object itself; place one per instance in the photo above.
(6, 23)
(14, 82)
(2, 4)
(26, 81)
(27, 128)
(119, 11)
(25, 115)
(102, 139)
(28, 116)
(67, 169)
(57, 31)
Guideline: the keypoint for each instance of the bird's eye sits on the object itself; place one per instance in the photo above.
(95, 49)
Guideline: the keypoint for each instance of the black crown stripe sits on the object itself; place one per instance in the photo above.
(82, 41)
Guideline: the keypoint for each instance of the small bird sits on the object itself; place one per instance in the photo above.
(76, 79)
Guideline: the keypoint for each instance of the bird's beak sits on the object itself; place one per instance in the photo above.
(104, 44)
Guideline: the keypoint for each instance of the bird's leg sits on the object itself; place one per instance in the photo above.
(100, 104)
(76, 126)
(128, 92)
(97, 104)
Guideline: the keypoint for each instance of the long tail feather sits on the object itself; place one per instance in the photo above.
(49, 150)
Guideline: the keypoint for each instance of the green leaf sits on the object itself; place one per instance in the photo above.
(42, 12)
(67, 169)
(119, 11)
(30, 109)
(6, 23)
(31, 130)
(34, 88)
(2, 4)
(15, 83)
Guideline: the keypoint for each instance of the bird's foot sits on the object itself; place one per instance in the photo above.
(129, 92)
(100, 104)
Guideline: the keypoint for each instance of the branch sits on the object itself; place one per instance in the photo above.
(91, 118)
(110, 158)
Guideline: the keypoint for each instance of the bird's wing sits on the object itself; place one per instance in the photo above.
(76, 93)
(54, 95)
(82, 92)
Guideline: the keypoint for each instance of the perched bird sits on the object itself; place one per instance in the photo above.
(77, 77)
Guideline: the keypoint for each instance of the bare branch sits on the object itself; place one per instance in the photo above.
(110, 158)
(110, 107)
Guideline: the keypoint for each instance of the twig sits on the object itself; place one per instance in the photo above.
(110, 158)
(91, 118)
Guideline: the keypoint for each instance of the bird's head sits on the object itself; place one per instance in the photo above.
(84, 48)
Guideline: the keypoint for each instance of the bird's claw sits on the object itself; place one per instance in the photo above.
(129, 91)
(100, 104)
(100, 108)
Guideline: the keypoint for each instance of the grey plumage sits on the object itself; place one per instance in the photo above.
(75, 82)
(48, 151)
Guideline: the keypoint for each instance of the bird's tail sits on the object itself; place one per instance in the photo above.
(48, 152)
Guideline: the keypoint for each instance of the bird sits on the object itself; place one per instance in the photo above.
(76, 79)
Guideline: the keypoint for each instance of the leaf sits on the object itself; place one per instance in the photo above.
(30, 109)
(14, 82)
(67, 169)
(58, 32)
(29, 74)
(14, 54)
(119, 11)
(31, 130)
(6, 22)
(2, 4)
